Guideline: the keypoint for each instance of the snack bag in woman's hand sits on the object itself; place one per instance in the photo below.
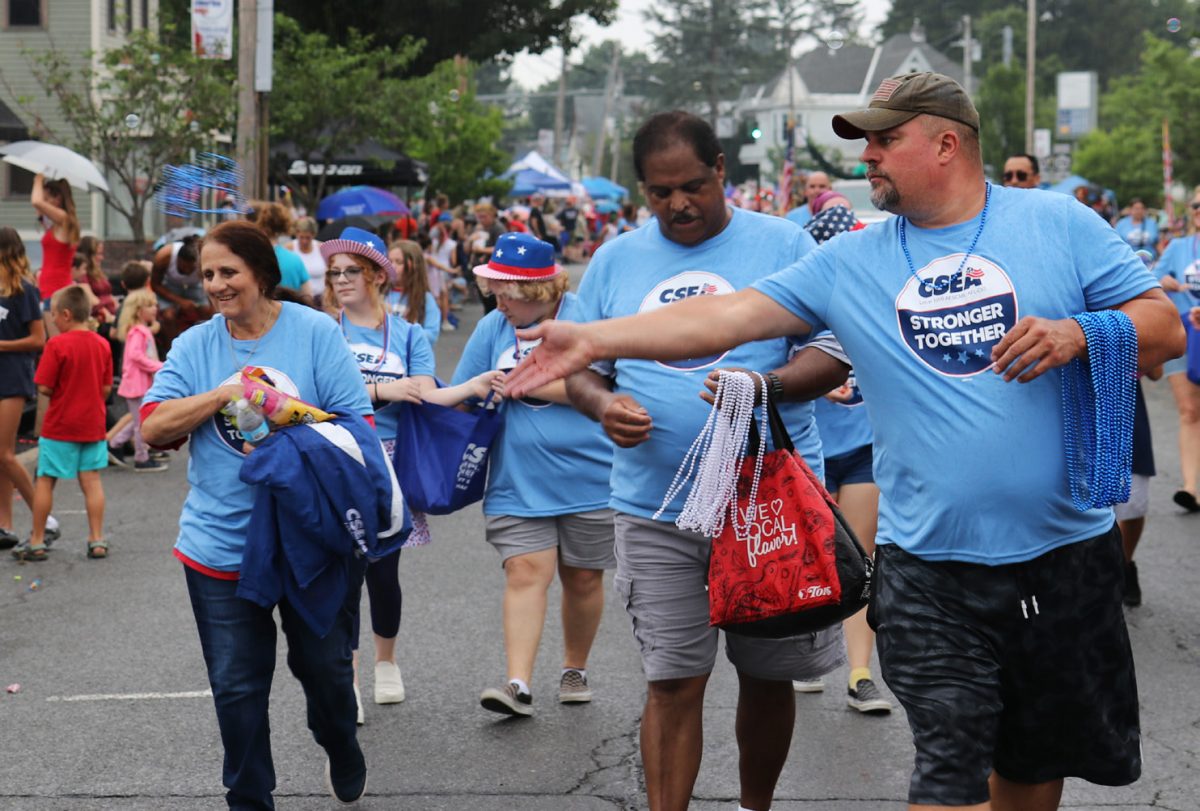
(281, 409)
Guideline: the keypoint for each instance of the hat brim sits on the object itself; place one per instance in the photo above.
(853, 126)
(331, 247)
(488, 272)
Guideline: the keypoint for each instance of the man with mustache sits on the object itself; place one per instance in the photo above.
(698, 248)
(998, 603)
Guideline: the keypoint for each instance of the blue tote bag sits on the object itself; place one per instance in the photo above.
(1193, 351)
(441, 455)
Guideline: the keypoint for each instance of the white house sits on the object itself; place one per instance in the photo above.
(824, 82)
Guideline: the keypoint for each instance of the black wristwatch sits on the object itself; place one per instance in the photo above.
(776, 391)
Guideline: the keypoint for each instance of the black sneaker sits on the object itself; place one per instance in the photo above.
(507, 701)
(7, 539)
(150, 466)
(866, 698)
(51, 534)
(1133, 589)
(116, 457)
(160, 455)
(347, 789)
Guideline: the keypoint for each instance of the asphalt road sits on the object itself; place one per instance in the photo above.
(112, 710)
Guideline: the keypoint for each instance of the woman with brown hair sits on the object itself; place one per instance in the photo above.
(92, 252)
(409, 297)
(56, 211)
(22, 334)
(302, 353)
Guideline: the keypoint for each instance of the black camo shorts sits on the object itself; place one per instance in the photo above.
(1023, 668)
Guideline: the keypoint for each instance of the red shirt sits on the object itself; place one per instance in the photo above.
(56, 264)
(77, 365)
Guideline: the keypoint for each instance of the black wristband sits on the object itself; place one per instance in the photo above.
(776, 391)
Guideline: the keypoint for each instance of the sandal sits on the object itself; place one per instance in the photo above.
(97, 549)
(27, 551)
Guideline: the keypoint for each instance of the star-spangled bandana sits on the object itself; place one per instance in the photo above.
(831, 222)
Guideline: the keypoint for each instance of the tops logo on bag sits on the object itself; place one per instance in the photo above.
(354, 524)
(951, 315)
(684, 286)
(468, 467)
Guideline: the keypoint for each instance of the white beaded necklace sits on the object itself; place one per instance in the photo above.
(715, 460)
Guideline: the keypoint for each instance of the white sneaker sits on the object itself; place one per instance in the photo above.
(811, 686)
(359, 718)
(389, 686)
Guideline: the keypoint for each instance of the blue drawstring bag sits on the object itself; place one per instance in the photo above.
(441, 455)
(1193, 351)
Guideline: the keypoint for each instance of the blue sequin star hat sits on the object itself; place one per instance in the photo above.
(520, 258)
(363, 243)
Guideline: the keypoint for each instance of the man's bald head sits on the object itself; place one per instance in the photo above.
(817, 182)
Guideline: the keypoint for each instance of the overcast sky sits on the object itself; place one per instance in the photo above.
(532, 70)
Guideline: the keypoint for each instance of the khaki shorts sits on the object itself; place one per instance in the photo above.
(583, 540)
(662, 580)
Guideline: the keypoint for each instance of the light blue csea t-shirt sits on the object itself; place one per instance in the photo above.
(292, 272)
(408, 355)
(548, 459)
(1140, 236)
(397, 304)
(1181, 260)
(642, 271)
(844, 427)
(970, 468)
(304, 355)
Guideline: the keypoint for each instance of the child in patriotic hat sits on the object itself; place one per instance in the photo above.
(536, 524)
(397, 364)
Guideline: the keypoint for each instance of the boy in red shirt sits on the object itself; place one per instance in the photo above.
(76, 373)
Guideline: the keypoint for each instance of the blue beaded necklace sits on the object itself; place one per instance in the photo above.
(987, 201)
(1098, 400)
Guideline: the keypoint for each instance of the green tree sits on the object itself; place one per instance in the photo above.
(443, 124)
(329, 98)
(134, 109)
(477, 30)
(1125, 153)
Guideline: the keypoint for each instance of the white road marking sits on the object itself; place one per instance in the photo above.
(133, 696)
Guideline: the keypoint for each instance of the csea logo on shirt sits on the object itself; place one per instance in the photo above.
(508, 361)
(683, 286)
(367, 358)
(1191, 279)
(223, 425)
(951, 314)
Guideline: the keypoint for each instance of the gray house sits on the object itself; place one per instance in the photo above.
(74, 27)
(824, 82)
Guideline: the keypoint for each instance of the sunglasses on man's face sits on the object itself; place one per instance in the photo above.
(1020, 175)
(1196, 205)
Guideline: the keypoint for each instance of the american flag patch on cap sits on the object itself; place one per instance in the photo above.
(886, 88)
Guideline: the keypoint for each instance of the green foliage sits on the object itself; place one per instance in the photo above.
(328, 97)
(449, 28)
(443, 124)
(180, 102)
(1099, 36)
(1126, 153)
(1127, 160)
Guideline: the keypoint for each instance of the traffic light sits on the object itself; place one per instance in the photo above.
(755, 130)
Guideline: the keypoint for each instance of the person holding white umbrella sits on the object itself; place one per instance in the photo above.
(56, 212)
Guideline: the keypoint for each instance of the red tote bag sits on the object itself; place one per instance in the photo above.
(796, 567)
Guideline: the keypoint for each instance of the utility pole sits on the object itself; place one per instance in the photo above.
(610, 86)
(1030, 60)
(618, 129)
(968, 52)
(247, 120)
(560, 103)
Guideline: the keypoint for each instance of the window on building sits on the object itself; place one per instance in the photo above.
(112, 16)
(17, 182)
(24, 13)
(128, 16)
(145, 14)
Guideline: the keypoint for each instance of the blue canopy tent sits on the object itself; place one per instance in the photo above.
(606, 206)
(528, 181)
(600, 188)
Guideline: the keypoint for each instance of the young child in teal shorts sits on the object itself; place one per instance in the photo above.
(76, 373)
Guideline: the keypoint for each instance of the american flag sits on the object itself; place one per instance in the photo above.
(785, 175)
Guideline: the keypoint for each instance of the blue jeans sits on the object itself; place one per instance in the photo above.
(238, 640)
